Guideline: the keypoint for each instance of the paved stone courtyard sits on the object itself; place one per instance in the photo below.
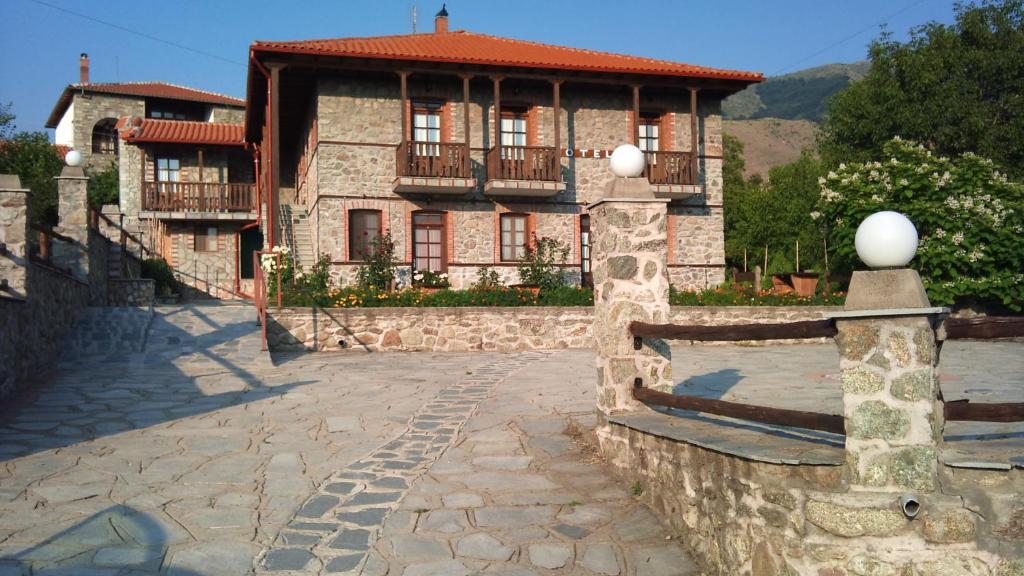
(193, 454)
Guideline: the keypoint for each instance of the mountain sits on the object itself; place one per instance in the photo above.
(770, 142)
(801, 95)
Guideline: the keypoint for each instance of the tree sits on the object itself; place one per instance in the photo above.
(31, 156)
(969, 218)
(955, 88)
(6, 122)
(773, 213)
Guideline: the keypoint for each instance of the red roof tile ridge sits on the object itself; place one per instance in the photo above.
(87, 85)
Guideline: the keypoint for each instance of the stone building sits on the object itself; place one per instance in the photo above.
(464, 146)
(186, 190)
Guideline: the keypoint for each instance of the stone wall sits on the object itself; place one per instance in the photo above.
(89, 109)
(99, 251)
(500, 329)
(353, 163)
(742, 517)
(31, 329)
(131, 292)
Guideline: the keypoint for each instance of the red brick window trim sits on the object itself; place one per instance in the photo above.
(364, 228)
(514, 236)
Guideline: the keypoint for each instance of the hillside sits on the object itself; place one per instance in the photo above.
(801, 95)
(769, 142)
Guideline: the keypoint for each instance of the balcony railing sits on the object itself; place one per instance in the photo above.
(198, 197)
(669, 168)
(433, 159)
(523, 163)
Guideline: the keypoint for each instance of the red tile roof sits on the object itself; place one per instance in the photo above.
(142, 90)
(468, 47)
(182, 132)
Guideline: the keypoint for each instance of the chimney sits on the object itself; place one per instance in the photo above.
(83, 68)
(441, 21)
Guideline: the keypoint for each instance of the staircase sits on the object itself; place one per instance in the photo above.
(295, 234)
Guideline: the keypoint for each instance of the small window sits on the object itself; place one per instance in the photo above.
(205, 238)
(513, 237)
(428, 241)
(168, 169)
(364, 227)
(426, 127)
(649, 133)
(104, 137)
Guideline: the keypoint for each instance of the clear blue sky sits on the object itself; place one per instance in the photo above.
(39, 45)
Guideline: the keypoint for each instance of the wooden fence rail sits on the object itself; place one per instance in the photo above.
(984, 327)
(801, 329)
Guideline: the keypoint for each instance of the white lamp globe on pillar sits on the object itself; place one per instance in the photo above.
(73, 158)
(627, 161)
(886, 240)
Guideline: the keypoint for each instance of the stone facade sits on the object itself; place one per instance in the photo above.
(499, 329)
(89, 109)
(347, 161)
(131, 292)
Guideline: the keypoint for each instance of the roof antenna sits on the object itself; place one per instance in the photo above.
(413, 18)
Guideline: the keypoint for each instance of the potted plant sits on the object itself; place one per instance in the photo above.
(429, 282)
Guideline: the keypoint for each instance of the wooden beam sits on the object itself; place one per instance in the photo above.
(984, 327)
(274, 207)
(694, 148)
(964, 410)
(466, 125)
(404, 89)
(556, 106)
(200, 153)
(636, 114)
(777, 416)
(803, 329)
(497, 114)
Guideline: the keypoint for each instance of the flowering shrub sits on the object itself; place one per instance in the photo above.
(969, 218)
(355, 297)
(541, 266)
(429, 279)
(746, 295)
(378, 271)
(487, 278)
(296, 284)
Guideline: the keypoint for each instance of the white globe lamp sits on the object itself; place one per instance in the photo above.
(886, 240)
(627, 161)
(73, 158)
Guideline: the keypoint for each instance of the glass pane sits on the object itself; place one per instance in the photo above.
(507, 253)
(421, 235)
(435, 250)
(427, 218)
(434, 236)
(506, 124)
(421, 250)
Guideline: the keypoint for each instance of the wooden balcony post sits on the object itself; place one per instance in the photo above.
(556, 106)
(274, 207)
(636, 114)
(497, 121)
(693, 135)
(404, 89)
(466, 162)
(142, 175)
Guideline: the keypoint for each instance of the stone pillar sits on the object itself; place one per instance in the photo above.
(13, 237)
(891, 402)
(73, 211)
(630, 270)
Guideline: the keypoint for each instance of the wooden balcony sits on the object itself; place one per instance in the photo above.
(671, 174)
(433, 168)
(195, 200)
(523, 171)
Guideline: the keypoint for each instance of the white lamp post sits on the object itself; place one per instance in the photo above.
(886, 240)
(627, 161)
(73, 158)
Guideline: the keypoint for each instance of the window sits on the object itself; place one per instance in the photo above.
(513, 237)
(168, 169)
(166, 114)
(586, 241)
(363, 229)
(649, 129)
(426, 127)
(205, 238)
(104, 137)
(513, 133)
(428, 237)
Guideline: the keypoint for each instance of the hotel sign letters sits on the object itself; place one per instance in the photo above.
(586, 153)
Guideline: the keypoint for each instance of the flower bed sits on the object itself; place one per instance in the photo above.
(746, 296)
(356, 297)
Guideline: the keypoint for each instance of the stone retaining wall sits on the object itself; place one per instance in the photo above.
(31, 330)
(742, 517)
(496, 329)
(131, 291)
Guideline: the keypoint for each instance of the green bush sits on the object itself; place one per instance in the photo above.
(162, 274)
(968, 216)
(103, 186)
(567, 296)
(378, 271)
(541, 266)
